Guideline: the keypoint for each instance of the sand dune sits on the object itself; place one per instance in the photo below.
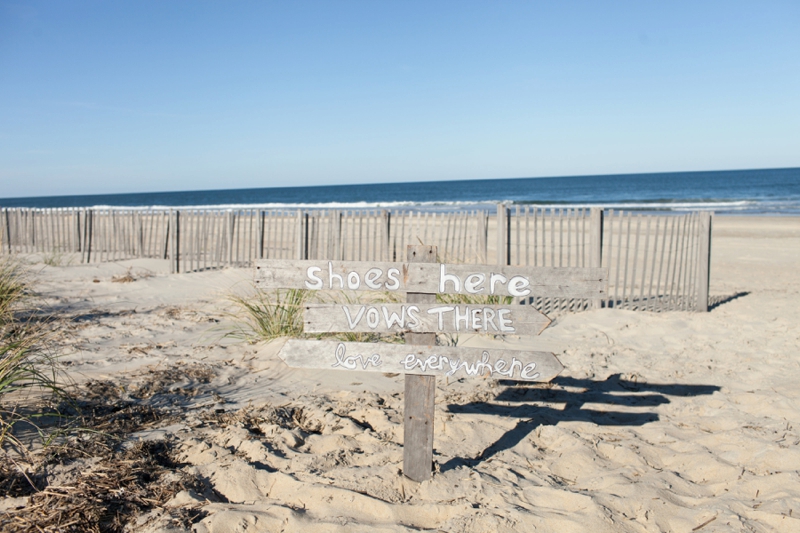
(660, 422)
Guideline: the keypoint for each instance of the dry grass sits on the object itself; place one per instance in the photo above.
(99, 478)
(474, 299)
(264, 316)
(13, 289)
(104, 486)
(31, 380)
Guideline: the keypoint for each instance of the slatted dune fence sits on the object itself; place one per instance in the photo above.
(547, 238)
(45, 230)
(113, 235)
(656, 262)
(212, 238)
(353, 235)
(375, 235)
(459, 236)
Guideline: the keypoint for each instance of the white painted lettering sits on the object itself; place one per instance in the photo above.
(479, 367)
(459, 318)
(526, 372)
(373, 317)
(350, 321)
(488, 319)
(394, 318)
(317, 282)
(473, 283)
(506, 325)
(413, 319)
(394, 281)
(441, 310)
(444, 277)
(351, 362)
(353, 281)
(371, 277)
(516, 286)
(409, 362)
(493, 279)
(332, 276)
(476, 319)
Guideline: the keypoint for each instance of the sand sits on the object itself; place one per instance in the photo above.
(676, 421)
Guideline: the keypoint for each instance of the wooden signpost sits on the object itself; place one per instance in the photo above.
(420, 318)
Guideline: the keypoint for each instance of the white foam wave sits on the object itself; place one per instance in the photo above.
(787, 206)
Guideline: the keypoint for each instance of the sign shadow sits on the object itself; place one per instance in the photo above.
(528, 400)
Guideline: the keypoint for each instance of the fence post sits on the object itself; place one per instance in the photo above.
(340, 237)
(385, 219)
(138, 237)
(596, 239)
(230, 227)
(8, 229)
(88, 228)
(76, 227)
(420, 391)
(259, 234)
(704, 267)
(503, 236)
(171, 237)
(302, 234)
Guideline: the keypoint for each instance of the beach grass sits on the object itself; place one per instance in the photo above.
(474, 299)
(266, 316)
(13, 288)
(30, 375)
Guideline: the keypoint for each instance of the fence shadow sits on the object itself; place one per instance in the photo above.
(528, 399)
(716, 301)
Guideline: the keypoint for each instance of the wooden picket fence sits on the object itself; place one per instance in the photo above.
(656, 262)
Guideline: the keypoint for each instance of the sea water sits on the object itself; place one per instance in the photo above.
(747, 192)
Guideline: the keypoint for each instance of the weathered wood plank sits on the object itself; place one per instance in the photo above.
(425, 318)
(432, 278)
(420, 390)
(427, 360)
(704, 249)
(418, 424)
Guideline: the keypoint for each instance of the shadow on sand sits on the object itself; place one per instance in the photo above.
(716, 301)
(527, 399)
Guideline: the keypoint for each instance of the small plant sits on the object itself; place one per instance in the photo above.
(53, 258)
(13, 288)
(29, 378)
(29, 373)
(266, 317)
(125, 278)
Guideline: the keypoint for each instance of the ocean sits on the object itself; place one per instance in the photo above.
(743, 192)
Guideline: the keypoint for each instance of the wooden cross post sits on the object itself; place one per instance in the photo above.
(420, 318)
(420, 391)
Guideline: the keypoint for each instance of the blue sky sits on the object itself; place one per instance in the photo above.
(105, 97)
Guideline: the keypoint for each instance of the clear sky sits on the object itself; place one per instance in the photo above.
(104, 97)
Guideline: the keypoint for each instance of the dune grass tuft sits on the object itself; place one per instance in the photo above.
(13, 289)
(474, 299)
(265, 316)
(30, 376)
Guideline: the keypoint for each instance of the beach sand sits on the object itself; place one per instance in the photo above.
(675, 421)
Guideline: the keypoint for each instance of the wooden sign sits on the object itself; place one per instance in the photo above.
(425, 318)
(432, 278)
(419, 319)
(421, 360)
